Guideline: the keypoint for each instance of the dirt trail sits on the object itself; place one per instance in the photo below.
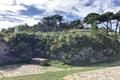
(112, 73)
(14, 70)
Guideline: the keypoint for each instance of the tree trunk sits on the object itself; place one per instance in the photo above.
(107, 28)
(119, 30)
(119, 26)
(116, 27)
(111, 25)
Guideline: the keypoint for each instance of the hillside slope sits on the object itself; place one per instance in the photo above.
(73, 47)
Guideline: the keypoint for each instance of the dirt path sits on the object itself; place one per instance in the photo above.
(112, 73)
(14, 70)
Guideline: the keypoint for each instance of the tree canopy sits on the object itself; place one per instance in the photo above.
(57, 22)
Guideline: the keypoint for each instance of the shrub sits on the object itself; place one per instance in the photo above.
(68, 47)
(25, 46)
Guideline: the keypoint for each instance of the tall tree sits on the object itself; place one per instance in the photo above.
(77, 24)
(52, 22)
(93, 19)
(57, 18)
(107, 18)
(117, 18)
(110, 18)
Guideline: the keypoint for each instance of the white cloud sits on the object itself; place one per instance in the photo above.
(79, 8)
(6, 2)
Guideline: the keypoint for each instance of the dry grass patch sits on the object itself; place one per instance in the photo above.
(15, 70)
(112, 73)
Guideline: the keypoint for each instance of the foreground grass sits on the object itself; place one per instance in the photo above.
(68, 70)
(49, 75)
(54, 75)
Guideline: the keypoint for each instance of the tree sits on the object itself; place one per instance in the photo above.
(38, 27)
(52, 22)
(77, 24)
(64, 26)
(117, 18)
(107, 17)
(93, 19)
(24, 27)
(57, 18)
(9, 30)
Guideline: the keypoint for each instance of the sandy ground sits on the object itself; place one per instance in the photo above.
(15, 70)
(112, 73)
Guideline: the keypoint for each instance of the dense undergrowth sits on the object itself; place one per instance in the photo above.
(74, 47)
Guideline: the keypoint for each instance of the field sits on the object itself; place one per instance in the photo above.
(67, 70)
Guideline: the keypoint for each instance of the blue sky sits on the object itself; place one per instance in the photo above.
(15, 12)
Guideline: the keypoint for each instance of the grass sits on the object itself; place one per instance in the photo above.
(68, 70)
(72, 69)
(60, 65)
(49, 75)
(60, 74)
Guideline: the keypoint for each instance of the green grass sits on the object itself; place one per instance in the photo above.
(60, 65)
(60, 74)
(49, 75)
(55, 75)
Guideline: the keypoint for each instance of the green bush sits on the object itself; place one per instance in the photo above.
(92, 48)
(71, 47)
(25, 46)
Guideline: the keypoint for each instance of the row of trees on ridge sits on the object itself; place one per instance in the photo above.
(109, 21)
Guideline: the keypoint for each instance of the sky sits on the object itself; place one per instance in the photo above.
(15, 12)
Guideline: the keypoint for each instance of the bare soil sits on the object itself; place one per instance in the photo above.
(21, 70)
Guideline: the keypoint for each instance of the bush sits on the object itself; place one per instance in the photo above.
(69, 47)
(85, 49)
(25, 46)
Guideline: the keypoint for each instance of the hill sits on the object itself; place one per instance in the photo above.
(75, 47)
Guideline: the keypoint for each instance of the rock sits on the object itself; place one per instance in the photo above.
(40, 61)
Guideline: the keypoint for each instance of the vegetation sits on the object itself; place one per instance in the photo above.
(73, 47)
(60, 74)
(69, 42)
(49, 75)
(66, 45)
(57, 23)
